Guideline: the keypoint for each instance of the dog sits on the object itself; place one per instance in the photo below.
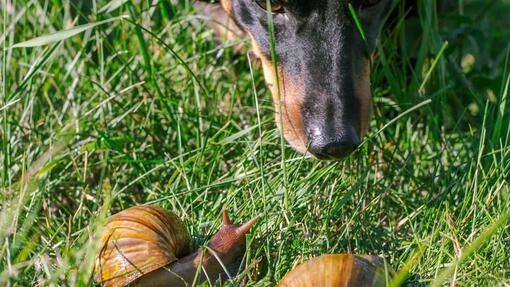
(321, 83)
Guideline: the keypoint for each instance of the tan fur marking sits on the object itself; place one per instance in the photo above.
(227, 5)
(289, 101)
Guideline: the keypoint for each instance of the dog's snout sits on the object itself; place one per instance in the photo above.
(333, 146)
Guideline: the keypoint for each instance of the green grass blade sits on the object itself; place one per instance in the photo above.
(482, 239)
(112, 6)
(272, 42)
(358, 23)
(432, 67)
(61, 35)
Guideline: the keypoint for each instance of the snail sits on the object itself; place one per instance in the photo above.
(148, 246)
(338, 270)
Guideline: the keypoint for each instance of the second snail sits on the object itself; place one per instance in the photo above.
(149, 246)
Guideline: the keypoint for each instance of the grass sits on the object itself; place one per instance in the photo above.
(150, 109)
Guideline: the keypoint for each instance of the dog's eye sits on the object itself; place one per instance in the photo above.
(276, 6)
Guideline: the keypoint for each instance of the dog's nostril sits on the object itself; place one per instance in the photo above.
(333, 149)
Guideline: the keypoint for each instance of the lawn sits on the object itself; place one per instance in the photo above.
(149, 107)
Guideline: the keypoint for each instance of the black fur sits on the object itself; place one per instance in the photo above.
(319, 44)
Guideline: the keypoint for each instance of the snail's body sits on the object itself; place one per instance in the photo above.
(183, 271)
(338, 270)
(148, 246)
(178, 273)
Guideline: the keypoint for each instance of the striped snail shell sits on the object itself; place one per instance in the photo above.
(338, 270)
(149, 246)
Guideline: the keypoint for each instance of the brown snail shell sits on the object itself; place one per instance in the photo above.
(149, 246)
(137, 241)
(338, 270)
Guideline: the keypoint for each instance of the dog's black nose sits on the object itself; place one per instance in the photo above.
(333, 147)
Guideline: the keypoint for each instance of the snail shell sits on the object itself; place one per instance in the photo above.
(338, 270)
(137, 241)
(148, 246)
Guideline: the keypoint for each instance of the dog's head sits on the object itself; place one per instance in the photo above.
(322, 67)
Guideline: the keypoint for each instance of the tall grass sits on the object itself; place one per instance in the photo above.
(131, 103)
